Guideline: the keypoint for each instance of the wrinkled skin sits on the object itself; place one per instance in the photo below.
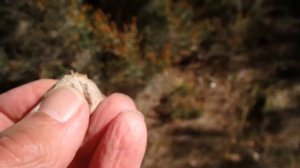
(113, 136)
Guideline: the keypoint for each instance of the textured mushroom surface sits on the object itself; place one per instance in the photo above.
(86, 87)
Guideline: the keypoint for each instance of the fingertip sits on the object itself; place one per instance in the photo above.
(106, 113)
(108, 110)
(17, 102)
(124, 142)
(133, 124)
(45, 82)
(121, 100)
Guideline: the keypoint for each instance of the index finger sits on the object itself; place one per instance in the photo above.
(16, 103)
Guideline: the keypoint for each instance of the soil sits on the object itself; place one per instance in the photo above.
(249, 117)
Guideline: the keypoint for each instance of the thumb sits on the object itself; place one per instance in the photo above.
(49, 137)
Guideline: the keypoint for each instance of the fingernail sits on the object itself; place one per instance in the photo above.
(61, 104)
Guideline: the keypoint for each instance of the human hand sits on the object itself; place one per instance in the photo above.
(63, 134)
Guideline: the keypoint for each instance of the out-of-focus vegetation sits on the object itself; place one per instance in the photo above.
(217, 80)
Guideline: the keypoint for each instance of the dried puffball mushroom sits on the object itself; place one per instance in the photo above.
(86, 87)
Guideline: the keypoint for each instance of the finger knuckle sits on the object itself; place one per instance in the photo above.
(20, 152)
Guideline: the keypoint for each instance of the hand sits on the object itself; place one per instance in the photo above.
(63, 134)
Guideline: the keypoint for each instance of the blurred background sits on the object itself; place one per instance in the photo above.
(218, 80)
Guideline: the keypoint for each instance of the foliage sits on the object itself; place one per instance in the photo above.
(56, 36)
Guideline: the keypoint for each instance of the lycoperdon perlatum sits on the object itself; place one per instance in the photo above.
(85, 86)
